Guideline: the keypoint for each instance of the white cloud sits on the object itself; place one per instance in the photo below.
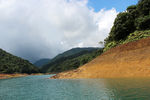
(35, 29)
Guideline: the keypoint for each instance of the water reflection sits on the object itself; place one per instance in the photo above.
(85, 89)
(129, 88)
(108, 89)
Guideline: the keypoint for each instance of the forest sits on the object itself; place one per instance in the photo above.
(13, 64)
(131, 25)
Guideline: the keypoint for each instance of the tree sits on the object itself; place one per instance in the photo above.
(143, 23)
(136, 17)
(144, 7)
(123, 25)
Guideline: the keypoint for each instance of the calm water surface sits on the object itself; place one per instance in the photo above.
(41, 88)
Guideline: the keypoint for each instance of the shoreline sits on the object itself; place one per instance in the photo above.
(7, 76)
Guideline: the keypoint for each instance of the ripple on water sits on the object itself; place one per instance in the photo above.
(42, 88)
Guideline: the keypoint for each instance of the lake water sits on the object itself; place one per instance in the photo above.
(42, 88)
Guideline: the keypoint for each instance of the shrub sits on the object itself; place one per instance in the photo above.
(110, 45)
(137, 35)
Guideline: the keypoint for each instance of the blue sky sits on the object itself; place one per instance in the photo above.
(119, 5)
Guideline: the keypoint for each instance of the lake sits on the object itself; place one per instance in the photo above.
(41, 88)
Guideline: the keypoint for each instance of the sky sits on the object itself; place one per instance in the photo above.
(119, 5)
(35, 29)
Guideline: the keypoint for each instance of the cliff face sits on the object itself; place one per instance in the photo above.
(127, 60)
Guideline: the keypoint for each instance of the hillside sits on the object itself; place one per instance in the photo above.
(127, 60)
(71, 59)
(71, 52)
(130, 24)
(41, 62)
(13, 64)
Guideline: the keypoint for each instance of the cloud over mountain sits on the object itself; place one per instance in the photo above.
(34, 29)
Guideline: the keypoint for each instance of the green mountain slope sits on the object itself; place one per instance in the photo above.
(71, 59)
(41, 62)
(72, 52)
(14, 64)
(131, 25)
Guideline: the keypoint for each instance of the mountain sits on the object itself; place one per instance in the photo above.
(13, 64)
(127, 48)
(127, 60)
(71, 59)
(41, 62)
(72, 52)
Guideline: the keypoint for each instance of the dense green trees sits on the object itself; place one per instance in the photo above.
(143, 23)
(143, 7)
(13, 64)
(135, 18)
(123, 25)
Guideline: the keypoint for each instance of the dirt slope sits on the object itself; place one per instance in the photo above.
(128, 60)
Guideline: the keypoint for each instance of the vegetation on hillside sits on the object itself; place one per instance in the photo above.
(137, 35)
(65, 63)
(41, 62)
(130, 25)
(14, 64)
(71, 52)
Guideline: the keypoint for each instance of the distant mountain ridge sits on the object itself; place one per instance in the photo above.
(72, 52)
(71, 59)
(41, 62)
(13, 64)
